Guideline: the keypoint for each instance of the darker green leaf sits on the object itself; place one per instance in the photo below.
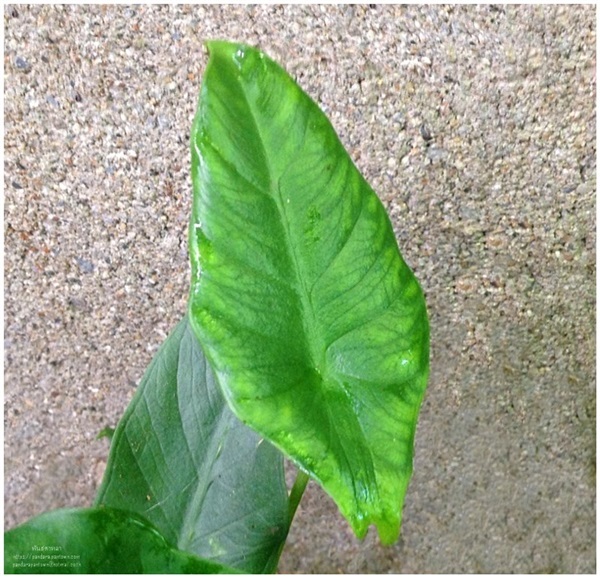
(315, 326)
(106, 432)
(96, 541)
(180, 458)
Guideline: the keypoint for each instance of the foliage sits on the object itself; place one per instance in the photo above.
(314, 324)
(96, 541)
(307, 336)
(183, 461)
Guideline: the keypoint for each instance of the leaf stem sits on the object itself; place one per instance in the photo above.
(296, 493)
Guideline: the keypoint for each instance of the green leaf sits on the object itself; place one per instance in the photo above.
(96, 541)
(181, 459)
(315, 327)
(106, 432)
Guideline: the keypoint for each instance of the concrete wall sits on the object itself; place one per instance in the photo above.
(475, 125)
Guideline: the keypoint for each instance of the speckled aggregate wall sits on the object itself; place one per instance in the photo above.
(475, 125)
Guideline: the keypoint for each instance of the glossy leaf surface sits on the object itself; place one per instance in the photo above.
(316, 328)
(96, 541)
(181, 459)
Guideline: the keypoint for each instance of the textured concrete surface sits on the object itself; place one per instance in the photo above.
(476, 126)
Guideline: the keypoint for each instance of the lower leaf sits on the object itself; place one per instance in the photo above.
(97, 541)
(181, 459)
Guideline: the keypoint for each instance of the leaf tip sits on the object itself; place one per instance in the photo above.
(227, 49)
(387, 528)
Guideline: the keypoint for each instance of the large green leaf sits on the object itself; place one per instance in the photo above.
(96, 541)
(315, 327)
(181, 459)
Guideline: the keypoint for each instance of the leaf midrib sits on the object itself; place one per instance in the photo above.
(192, 515)
(315, 353)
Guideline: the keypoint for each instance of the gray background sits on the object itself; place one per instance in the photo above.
(475, 125)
